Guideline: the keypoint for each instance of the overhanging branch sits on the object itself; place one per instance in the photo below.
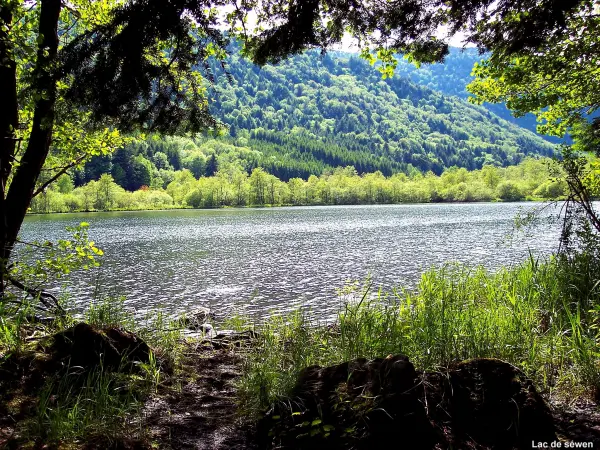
(56, 176)
(47, 299)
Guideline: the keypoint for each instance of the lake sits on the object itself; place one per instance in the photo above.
(271, 260)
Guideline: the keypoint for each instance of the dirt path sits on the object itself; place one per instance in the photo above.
(578, 423)
(203, 414)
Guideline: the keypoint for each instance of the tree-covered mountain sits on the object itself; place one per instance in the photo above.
(338, 110)
(313, 113)
(452, 77)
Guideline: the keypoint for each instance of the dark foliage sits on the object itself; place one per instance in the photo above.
(116, 80)
(409, 26)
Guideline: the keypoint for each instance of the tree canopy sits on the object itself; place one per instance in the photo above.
(410, 27)
(558, 81)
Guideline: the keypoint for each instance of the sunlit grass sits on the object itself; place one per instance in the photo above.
(75, 404)
(531, 316)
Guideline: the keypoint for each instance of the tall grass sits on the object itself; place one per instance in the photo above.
(11, 322)
(106, 404)
(160, 331)
(530, 316)
(76, 404)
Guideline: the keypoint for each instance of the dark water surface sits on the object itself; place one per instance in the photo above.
(271, 260)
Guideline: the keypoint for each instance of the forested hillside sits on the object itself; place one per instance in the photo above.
(313, 113)
(452, 77)
(342, 99)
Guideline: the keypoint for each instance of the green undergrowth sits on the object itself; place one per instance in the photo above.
(542, 317)
(61, 405)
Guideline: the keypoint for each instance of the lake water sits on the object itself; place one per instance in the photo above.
(261, 261)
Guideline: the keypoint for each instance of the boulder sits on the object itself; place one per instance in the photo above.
(231, 338)
(196, 318)
(493, 404)
(356, 404)
(368, 404)
(87, 347)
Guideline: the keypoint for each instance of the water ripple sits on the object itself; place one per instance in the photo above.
(265, 261)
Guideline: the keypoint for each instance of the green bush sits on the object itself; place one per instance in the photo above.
(194, 199)
(509, 191)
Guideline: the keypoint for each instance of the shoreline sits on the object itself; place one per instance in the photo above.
(233, 377)
(225, 207)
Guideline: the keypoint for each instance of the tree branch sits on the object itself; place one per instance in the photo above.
(47, 299)
(57, 175)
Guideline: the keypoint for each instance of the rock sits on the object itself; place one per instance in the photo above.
(86, 346)
(204, 331)
(229, 338)
(233, 335)
(197, 318)
(193, 334)
(357, 404)
(494, 404)
(362, 404)
(208, 330)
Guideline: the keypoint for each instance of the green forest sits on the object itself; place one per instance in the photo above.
(531, 179)
(314, 113)
(293, 126)
(336, 110)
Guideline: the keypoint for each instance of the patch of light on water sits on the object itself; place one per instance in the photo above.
(270, 261)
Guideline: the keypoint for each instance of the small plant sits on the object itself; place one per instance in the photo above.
(164, 334)
(110, 312)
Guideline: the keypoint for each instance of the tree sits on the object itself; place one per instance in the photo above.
(141, 173)
(161, 161)
(558, 82)
(407, 26)
(74, 74)
(258, 182)
(211, 166)
(106, 189)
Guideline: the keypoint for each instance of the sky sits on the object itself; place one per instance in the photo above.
(348, 43)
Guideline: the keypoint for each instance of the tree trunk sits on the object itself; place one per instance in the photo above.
(9, 121)
(22, 186)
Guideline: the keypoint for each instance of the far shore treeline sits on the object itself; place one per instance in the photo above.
(231, 185)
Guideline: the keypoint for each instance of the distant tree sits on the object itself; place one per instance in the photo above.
(195, 163)
(509, 190)
(258, 182)
(141, 173)
(161, 161)
(106, 188)
(212, 166)
(65, 184)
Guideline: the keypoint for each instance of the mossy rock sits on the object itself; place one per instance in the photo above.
(88, 347)
(386, 403)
